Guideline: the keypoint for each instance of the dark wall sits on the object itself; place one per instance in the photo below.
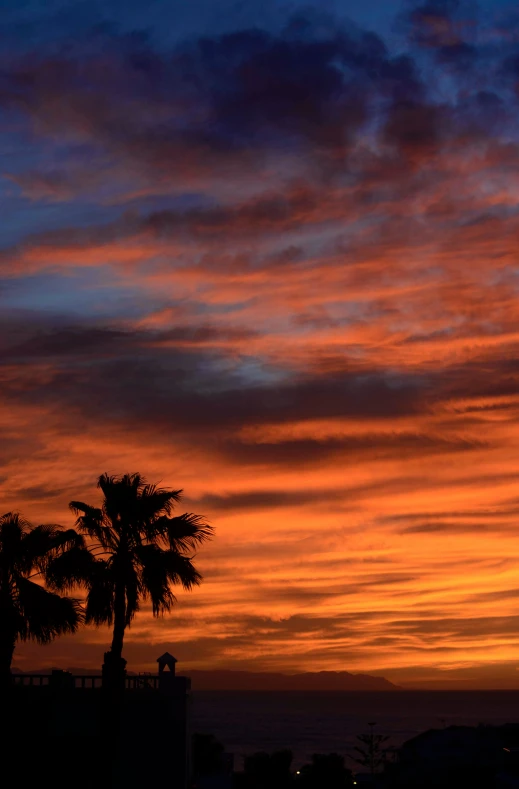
(86, 739)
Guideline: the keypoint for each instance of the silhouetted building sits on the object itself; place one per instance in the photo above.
(90, 737)
(166, 663)
(458, 756)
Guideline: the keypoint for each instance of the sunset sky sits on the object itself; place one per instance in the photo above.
(267, 252)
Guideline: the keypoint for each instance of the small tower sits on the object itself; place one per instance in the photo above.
(172, 726)
(166, 661)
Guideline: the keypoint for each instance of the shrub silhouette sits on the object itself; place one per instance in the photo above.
(326, 770)
(267, 771)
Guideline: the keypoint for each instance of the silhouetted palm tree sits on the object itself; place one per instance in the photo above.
(27, 610)
(138, 550)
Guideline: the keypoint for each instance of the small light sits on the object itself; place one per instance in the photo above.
(298, 772)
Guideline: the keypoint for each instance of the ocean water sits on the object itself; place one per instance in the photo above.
(315, 722)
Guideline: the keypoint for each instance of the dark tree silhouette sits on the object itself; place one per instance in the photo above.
(326, 770)
(267, 771)
(27, 610)
(138, 550)
(208, 755)
(373, 751)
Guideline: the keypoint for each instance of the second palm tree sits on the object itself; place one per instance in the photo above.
(138, 550)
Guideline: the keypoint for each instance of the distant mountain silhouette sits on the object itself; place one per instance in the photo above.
(319, 680)
(263, 680)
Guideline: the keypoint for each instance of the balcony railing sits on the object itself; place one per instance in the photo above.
(85, 681)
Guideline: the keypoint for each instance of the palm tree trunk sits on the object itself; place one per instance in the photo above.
(114, 665)
(119, 622)
(7, 644)
(114, 682)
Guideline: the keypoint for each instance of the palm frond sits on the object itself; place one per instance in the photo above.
(159, 570)
(79, 507)
(12, 530)
(155, 578)
(126, 486)
(156, 501)
(181, 570)
(121, 498)
(42, 543)
(70, 569)
(46, 614)
(91, 521)
(101, 593)
(184, 532)
(16, 519)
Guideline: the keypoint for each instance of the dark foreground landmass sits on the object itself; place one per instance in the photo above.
(65, 735)
(457, 757)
